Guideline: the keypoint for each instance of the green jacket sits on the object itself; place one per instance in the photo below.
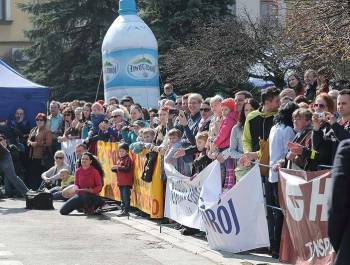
(257, 126)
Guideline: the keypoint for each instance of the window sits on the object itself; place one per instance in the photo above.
(268, 8)
(5, 10)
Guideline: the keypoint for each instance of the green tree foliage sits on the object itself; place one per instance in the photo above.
(172, 20)
(66, 44)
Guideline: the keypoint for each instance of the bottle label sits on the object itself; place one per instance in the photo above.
(131, 67)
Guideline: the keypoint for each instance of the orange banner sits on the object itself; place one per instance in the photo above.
(148, 197)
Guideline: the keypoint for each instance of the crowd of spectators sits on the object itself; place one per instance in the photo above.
(297, 127)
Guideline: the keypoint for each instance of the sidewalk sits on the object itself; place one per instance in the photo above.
(194, 245)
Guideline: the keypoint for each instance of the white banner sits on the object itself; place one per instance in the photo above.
(182, 194)
(237, 222)
(70, 157)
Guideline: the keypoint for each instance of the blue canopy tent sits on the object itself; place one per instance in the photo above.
(18, 92)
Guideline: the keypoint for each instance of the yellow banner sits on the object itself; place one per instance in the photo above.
(148, 197)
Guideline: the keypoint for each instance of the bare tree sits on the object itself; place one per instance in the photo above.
(215, 58)
(321, 33)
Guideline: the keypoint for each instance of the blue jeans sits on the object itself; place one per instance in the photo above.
(125, 193)
(10, 175)
(85, 201)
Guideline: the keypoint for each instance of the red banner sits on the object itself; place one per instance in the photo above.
(303, 197)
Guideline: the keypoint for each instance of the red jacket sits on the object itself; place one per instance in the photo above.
(88, 179)
(222, 140)
(125, 176)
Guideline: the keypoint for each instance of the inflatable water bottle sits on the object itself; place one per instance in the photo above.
(130, 58)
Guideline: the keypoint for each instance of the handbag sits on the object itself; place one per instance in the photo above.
(39, 200)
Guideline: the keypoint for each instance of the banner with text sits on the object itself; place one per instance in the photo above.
(70, 157)
(148, 197)
(182, 194)
(237, 222)
(304, 196)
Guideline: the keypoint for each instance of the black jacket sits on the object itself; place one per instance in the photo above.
(339, 213)
(310, 92)
(325, 141)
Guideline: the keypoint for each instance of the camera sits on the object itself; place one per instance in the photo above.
(321, 115)
(173, 111)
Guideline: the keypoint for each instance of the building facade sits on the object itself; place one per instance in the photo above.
(12, 24)
(258, 10)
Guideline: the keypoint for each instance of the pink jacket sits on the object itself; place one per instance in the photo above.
(222, 140)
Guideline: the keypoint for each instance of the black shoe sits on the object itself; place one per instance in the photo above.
(187, 231)
(275, 255)
(123, 213)
(178, 227)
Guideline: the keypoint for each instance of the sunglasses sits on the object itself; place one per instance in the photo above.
(59, 157)
(39, 120)
(321, 106)
(205, 110)
(115, 116)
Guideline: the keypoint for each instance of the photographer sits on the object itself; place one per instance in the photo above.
(328, 132)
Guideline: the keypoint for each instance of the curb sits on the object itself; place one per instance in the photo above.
(191, 244)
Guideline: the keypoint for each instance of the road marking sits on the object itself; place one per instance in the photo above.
(5, 253)
(10, 262)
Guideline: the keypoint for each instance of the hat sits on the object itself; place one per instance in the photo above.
(139, 123)
(230, 103)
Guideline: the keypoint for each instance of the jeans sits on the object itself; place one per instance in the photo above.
(85, 201)
(125, 196)
(74, 203)
(11, 177)
(274, 216)
(57, 193)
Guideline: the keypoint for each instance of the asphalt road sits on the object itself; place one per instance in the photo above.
(33, 237)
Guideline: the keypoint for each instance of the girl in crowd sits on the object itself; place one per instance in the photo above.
(222, 141)
(70, 129)
(280, 135)
(323, 139)
(89, 182)
(39, 143)
(206, 116)
(236, 146)
(295, 83)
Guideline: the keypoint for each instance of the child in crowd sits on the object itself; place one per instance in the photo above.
(144, 140)
(105, 133)
(97, 116)
(66, 180)
(222, 141)
(202, 160)
(180, 165)
(124, 170)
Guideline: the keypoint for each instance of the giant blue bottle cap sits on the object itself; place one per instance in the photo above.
(127, 7)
